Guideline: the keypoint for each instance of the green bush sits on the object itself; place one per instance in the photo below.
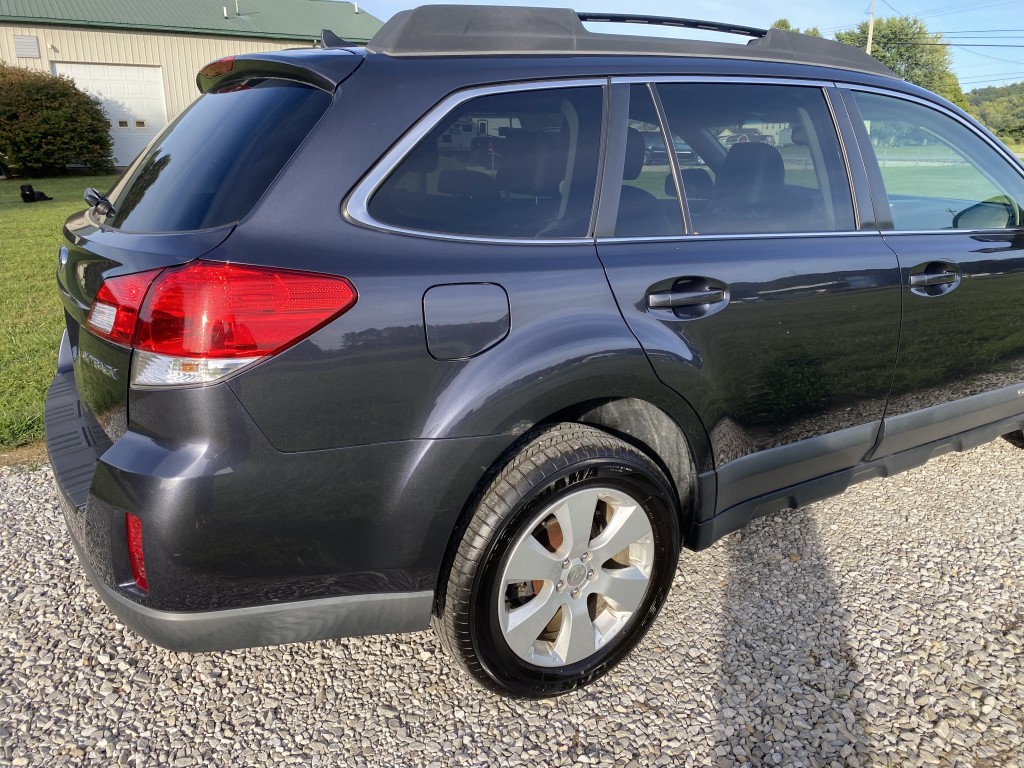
(46, 123)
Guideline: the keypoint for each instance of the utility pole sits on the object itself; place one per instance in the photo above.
(871, 27)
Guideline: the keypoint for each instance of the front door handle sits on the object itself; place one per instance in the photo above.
(924, 279)
(673, 299)
(934, 278)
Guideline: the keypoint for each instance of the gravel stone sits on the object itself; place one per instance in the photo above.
(881, 627)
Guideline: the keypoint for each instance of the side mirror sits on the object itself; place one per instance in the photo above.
(92, 197)
(997, 213)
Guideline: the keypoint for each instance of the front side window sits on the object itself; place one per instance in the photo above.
(508, 165)
(938, 174)
(758, 158)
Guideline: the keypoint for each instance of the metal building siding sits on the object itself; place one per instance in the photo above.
(179, 56)
(271, 19)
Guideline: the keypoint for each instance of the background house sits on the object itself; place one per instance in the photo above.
(140, 57)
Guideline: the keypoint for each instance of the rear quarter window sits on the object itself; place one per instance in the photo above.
(508, 165)
(212, 164)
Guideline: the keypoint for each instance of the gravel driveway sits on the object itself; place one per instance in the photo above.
(884, 627)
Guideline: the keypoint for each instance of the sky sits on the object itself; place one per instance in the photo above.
(988, 35)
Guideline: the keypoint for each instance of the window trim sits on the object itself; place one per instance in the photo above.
(673, 159)
(355, 207)
(875, 172)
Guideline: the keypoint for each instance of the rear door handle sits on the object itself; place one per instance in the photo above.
(673, 299)
(924, 279)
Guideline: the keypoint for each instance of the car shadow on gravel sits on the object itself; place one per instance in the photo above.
(786, 689)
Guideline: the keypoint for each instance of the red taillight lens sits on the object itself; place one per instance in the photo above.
(208, 310)
(116, 307)
(138, 562)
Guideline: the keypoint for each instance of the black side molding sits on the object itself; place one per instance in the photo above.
(705, 534)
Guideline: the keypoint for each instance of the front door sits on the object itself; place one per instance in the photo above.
(957, 228)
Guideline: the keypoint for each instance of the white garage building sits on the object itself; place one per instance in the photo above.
(140, 57)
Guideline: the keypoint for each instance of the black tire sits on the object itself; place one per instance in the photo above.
(554, 463)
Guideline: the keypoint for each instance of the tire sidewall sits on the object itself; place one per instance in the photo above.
(499, 661)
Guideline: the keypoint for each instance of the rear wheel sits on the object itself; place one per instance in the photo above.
(565, 564)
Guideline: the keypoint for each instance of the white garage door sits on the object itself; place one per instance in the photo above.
(132, 97)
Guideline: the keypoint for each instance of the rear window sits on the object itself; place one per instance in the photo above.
(211, 165)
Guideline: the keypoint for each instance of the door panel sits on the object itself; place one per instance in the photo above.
(956, 211)
(958, 343)
(804, 347)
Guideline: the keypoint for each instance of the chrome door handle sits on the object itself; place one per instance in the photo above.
(673, 299)
(925, 279)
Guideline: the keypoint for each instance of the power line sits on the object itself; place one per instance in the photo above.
(972, 86)
(994, 58)
(961, 31)
(951, 45)
(957, 7)
(992, 76)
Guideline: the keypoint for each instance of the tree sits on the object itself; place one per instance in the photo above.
(905, 45)
(46, 123)
(1001, 108)
(785, 26)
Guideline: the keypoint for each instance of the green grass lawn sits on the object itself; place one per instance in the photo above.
(31, 318)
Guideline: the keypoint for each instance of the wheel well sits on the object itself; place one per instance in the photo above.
(652, 431)
(638, 422)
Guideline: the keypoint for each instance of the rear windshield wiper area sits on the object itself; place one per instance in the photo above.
(98, 201)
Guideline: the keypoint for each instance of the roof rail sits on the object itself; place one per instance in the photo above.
(668, 21)
(473, 30)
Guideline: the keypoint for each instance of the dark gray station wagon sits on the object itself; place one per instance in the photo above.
(370, 339)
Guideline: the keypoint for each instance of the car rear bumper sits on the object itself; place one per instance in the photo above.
(260, 625)
(247, 546)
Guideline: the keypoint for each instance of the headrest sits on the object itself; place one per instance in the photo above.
(466, 183)
(531, 164)
(753, 172)
(696, 182)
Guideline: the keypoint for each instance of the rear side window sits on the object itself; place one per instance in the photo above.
(761, 158)
(509, 165)
(211, 165)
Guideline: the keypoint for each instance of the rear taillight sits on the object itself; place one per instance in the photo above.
(133, 526)
(201, 322)
(116, 307)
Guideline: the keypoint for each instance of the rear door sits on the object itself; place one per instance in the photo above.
(766, 301)
(954, 198)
